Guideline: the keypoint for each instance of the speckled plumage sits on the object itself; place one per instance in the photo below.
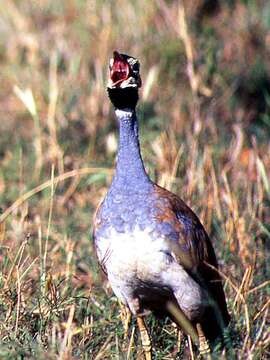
(151, 245)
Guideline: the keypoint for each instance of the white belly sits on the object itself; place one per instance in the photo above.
(136, 262)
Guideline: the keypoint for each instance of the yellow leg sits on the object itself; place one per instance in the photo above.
(204, 347)
(179, 339)
(190, 348)
(146, 342)
(125, 316)
(179, 336)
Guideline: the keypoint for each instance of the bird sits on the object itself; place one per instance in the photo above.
(154, 250)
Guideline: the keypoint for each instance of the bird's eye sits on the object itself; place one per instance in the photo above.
(136, 66)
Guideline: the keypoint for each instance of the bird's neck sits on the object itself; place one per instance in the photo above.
(130, 173)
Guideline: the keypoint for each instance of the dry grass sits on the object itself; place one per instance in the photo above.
(205, 126)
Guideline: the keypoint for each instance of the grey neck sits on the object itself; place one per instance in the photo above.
(130, 173)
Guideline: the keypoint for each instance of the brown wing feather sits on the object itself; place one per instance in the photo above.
(194, 250)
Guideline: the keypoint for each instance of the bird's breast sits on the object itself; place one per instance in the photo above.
(130, 238)
(136, 254)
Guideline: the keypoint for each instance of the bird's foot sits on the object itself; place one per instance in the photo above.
(204, 347)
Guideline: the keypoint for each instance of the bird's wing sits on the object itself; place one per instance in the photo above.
(192, 248)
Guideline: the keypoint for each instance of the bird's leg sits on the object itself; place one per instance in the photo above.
(190, 348)
(179, 339)
(125, 316)
(146, 342)
(204, 347)
(179, 336)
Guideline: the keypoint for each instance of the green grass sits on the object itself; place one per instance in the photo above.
(54, 301)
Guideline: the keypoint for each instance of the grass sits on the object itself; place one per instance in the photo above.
(205, 69)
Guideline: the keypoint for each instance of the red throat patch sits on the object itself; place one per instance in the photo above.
(120, 69)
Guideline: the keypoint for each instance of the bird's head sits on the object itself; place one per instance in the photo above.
(124, 81)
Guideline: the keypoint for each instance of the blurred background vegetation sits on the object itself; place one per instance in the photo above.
(205, 134)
